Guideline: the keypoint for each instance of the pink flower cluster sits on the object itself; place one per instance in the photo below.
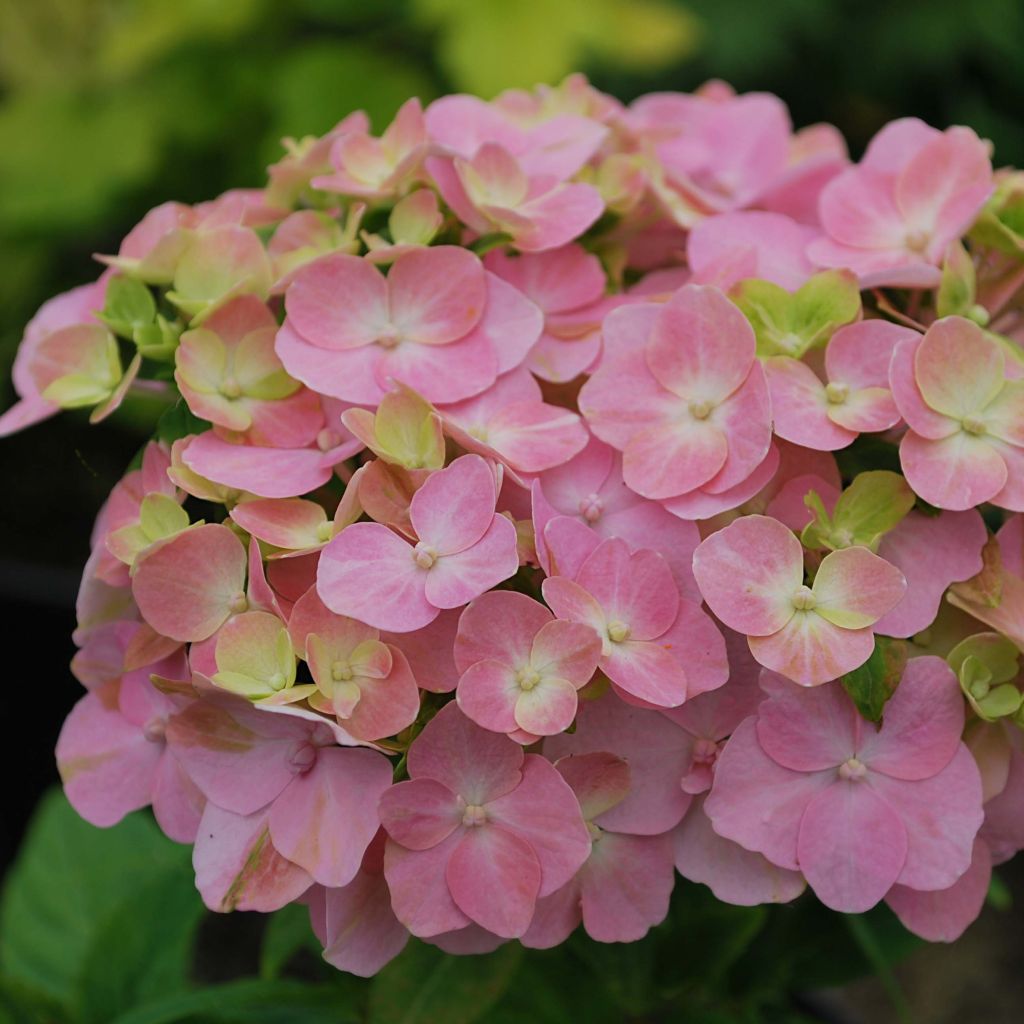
(573, 496)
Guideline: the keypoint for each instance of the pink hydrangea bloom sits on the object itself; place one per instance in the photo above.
(752, 576)
(520, 667)
(656, 646)
(438, 323)
(891, 217)
(479, 833)
(855, 808)
(462, 549)
(965, 444)
(680, 393)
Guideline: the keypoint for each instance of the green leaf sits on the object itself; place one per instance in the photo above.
(69, 879)
(143, 950)
(873, 504)
(248, 1002)
(426, 986)
(485, 243)
(871, 685)
(958, 285)
(129, 306)
(999, 895)
(288, 931)
(875, 953)
(178, 422)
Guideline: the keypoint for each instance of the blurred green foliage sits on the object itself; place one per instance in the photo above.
(108, 107)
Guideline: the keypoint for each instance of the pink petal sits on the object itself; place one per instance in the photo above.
(674, 457)
(852, 846)
(368, 573)
(567, 650)
(626, 884)
(177, 802)
(942, 816)
(570, 601)
(548, 708)
(499, 626)
(808, 730)
(185, 587)
(543, 810)
(733, 874)
(810, 650)
(944, 916)
(284, 523)
(956, 472)
(429, 652)
(745, 418)
(854, 588)
(349, 374)
(767, 558)
(599, 779)
(957, 368)
(758, 803)
(237, 867)
(419, 813)
(388, 703)
(487, 694)
(857, 209)
(533, 436)
(106, 764)
(800, 408)
(648, 671)
(325, 819)
(454, 507)
(858, 355)
(436, 295)
(870, 410)
(702, 504)
(456, 579)
(338, 302)
(494, 877)
(658, 754)
(419, 891)
(471, 762)
(511, 324)
(555, 917)
(558, 217)
(635, 588)
(920, 417)
(922, 724)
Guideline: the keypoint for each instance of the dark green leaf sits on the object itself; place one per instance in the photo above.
(288, 931)
(425, 986)
(178, 422)
(871, 685)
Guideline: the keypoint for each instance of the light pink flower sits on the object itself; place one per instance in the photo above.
(965, 445)
(890, 218)
(520, 667)
(462, 549)
(680, 393)
(854, 398)
(752, 576)
(856, 808)
(316, 801)
(623, 888)
(657, 647)
(492, 192)
(479, 833)
(438, 323)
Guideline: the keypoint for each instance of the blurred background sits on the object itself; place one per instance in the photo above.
(108, 107)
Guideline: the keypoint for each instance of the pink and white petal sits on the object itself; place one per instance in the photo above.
(436, 295)
(944, 915)
(852, 846)
(533, 436)
(920, 417)
(419, 892)
(854, 588)
(702, 504)
(558, 216)
(454, 507)
(733, 874)
(388, 704)
(419, 813)
(810, 650)
(338, 302)
(499, 626)
(857, 209)
(326, 818)
(511, 323)
(349, 375)
(440, 373)
(756, 802)
(1011, 496)
(800, 409)
(673, 457)
(958, 370)
(548, 708)
(626, 884)
(942, 816)
(185, 586)
(105, 762)
(567, 650)
(956, 472)
(923, 720)
(473, 763)
(932, 552)
(570, 601)
(565, 544)
(648, 671)
(543, 810)
(283, 522)
(455, 580)
(858, 355)
(745, 418)
(487, 694)
(237, 866)
(367, 572)
(748, 573)
(702, 347)
(632, 587)
(808, 730)
(1004, 417)
(494, 877)
(868, 411)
